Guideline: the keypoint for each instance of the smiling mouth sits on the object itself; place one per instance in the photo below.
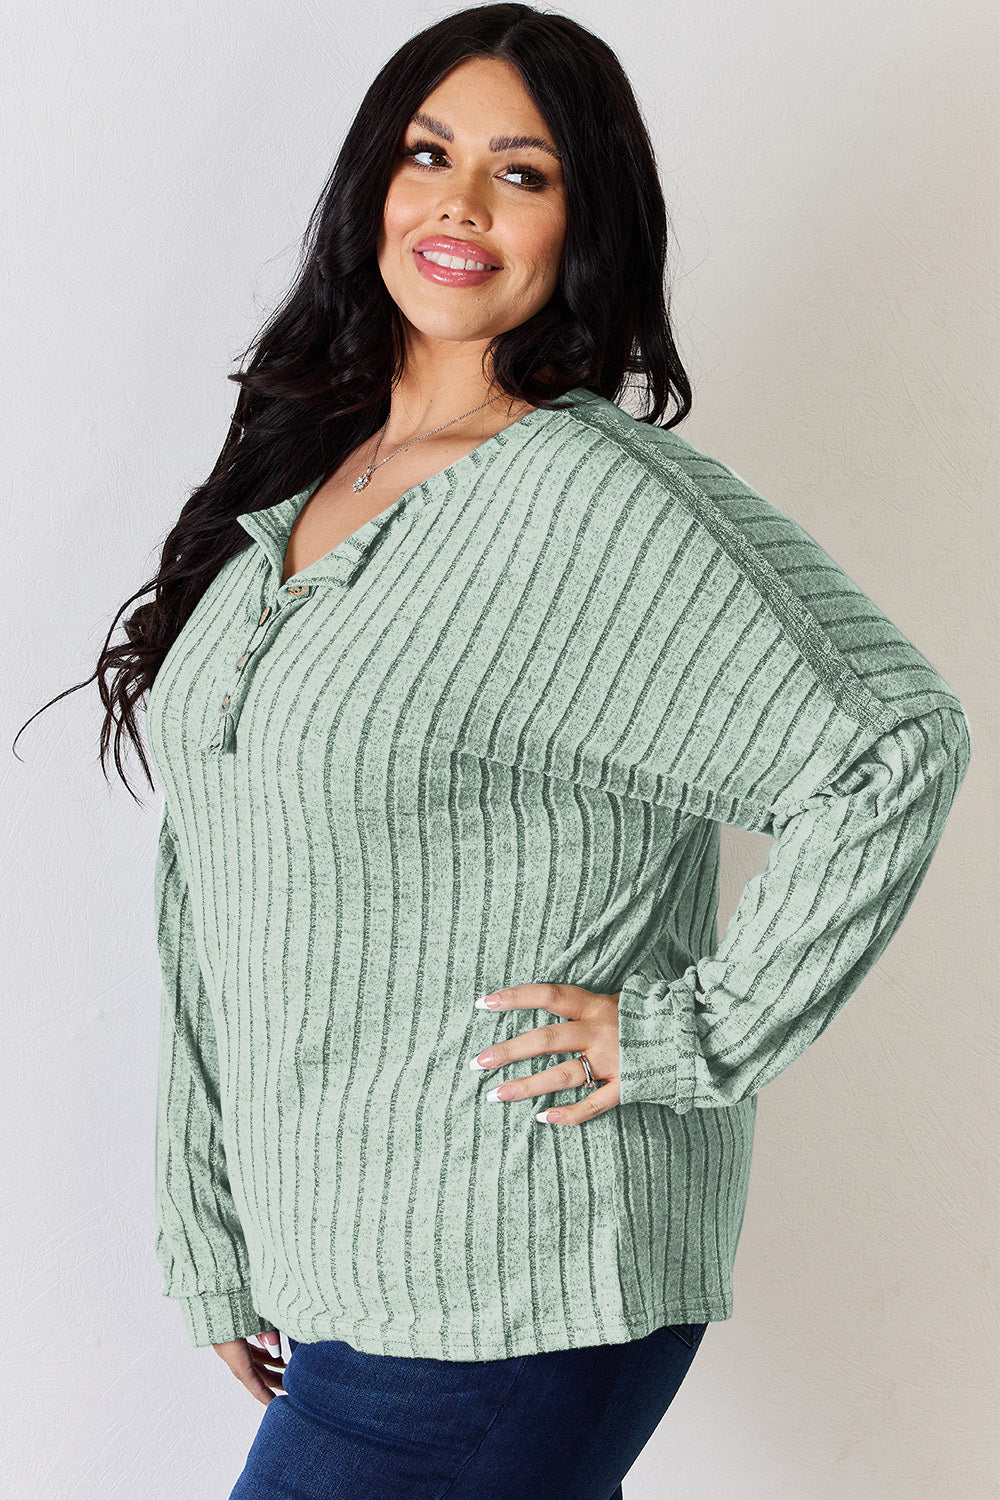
(455, 262)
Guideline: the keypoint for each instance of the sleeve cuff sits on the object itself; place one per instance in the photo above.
(215, 1318)
(655, 1055)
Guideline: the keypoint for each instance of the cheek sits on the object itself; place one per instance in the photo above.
(544, 254)
(542, 244)
(397, 214)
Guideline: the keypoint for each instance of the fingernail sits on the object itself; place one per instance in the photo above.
(548, 1117)
(488, 1002)
(482, 1062)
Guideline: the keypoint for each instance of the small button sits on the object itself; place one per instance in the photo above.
(225, 703)
(298, 588)
(241, 660)
(264, 615)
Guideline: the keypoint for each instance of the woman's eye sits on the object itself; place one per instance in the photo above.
(424, 148)
(415, 151)
(540, 181)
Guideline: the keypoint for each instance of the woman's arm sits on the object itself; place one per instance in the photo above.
(773, 694)
(199, 1241)
(846, 863)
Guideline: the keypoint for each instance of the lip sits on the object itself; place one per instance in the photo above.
(465, 248)
(445, 275)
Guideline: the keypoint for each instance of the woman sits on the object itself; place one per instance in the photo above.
(457, 670)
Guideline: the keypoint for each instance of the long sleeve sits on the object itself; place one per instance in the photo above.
(846, 863)
(199, 1241)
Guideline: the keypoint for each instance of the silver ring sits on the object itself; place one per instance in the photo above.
(586, 1068)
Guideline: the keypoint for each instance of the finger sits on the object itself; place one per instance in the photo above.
(270, 1340)
(596, 1103)
(264, 1356)
(259, 1390)
(262, 1376)
(256, 1377)
(561, 999)
(559, 1036)
(255, 1374)
(565, 1075)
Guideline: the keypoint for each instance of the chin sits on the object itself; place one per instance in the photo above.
(452, 326)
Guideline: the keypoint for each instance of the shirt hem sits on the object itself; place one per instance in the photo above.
(367, 1337)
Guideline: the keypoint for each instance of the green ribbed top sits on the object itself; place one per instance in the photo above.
(490, 739)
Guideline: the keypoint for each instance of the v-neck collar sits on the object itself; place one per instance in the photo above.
(271, 526)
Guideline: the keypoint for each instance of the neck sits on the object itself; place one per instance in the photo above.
(434, 391)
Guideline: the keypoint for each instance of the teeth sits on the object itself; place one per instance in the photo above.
(453, 262)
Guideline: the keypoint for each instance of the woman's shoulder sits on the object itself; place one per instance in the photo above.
(757, 537)
(685, 472)
(746, 539)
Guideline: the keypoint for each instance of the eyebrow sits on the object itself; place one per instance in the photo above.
(497, 143)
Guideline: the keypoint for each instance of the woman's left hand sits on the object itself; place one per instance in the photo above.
(592, 1029)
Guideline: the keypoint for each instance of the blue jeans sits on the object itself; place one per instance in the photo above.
(565, 1424)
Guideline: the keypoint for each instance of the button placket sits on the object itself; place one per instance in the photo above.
(222, 739)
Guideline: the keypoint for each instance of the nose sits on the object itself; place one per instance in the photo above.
(464, 201)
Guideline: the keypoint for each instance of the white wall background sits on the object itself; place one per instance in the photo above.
(831, 175)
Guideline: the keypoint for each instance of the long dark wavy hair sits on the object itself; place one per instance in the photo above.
(320, 378)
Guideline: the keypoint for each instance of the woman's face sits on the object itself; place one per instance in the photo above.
(504, 203)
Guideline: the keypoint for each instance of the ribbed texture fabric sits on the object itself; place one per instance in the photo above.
(487, 740)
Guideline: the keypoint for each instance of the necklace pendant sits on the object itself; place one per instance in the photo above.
(360, 482)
